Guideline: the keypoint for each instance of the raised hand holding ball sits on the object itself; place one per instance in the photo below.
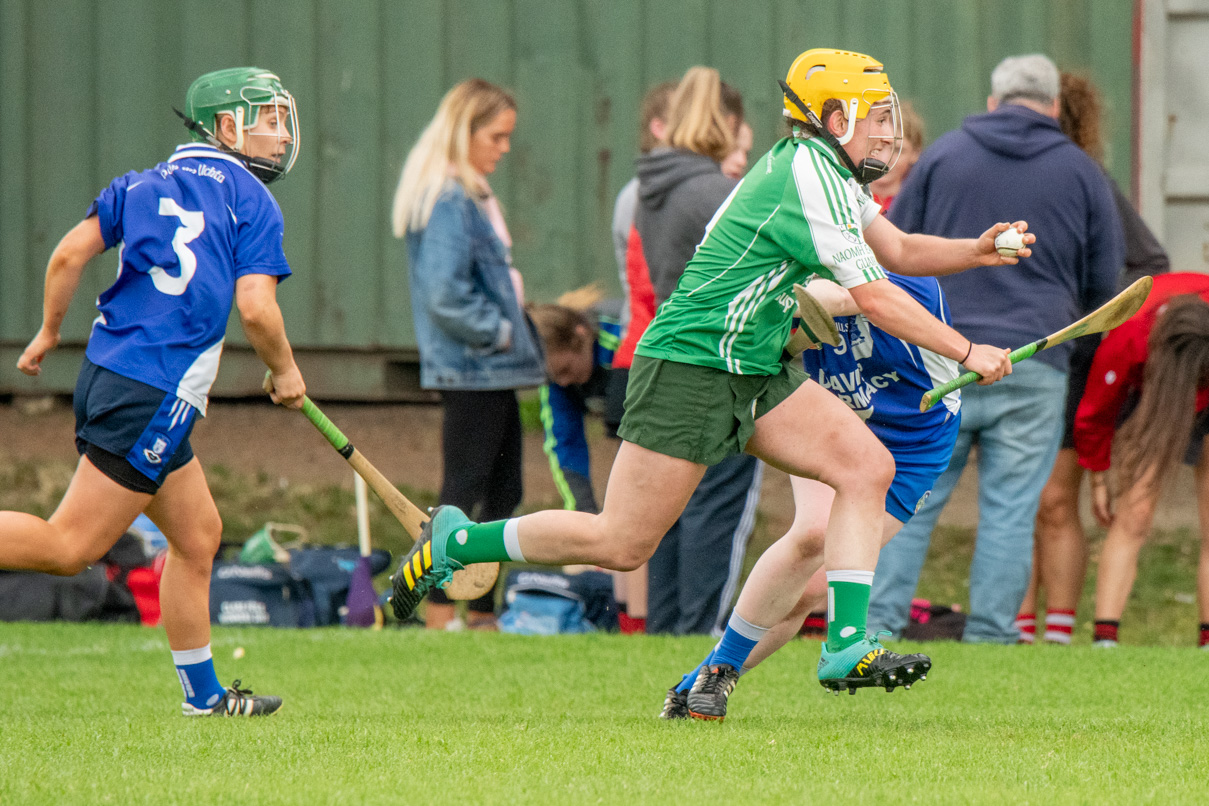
(1009, 242)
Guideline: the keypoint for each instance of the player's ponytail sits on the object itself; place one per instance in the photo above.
(1155, 436)
(443, 152)
(704, 114)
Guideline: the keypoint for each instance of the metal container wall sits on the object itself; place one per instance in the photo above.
(87, 88)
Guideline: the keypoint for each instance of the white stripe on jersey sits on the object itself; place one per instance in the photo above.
(198, 378)
(739, 259)
(742, 307)
(834, 220)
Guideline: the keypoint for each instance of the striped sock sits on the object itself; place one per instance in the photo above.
(815, 625)
(1204, 636)
(195, 668)
(1026, 623)
(1106, 630)
(1059, 624)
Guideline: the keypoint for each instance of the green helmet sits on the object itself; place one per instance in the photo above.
(241, 92)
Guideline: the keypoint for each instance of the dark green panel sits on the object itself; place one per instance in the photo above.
(676, 37)
(348, 296)
(412, 44)
(612, 56)
(285, 39)
(20, 275)
(543, 215)
(1109, 63)
(741, 41)
(62, 162)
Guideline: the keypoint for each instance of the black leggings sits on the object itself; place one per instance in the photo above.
(481, 448)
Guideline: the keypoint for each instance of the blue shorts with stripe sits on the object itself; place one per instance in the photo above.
(132, 432)
(919, 459)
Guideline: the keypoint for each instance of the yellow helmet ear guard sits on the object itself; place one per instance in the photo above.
(858, 81)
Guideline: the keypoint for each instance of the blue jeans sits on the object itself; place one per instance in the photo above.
(1017, 426)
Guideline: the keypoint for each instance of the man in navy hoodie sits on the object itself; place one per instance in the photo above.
(1013, 162)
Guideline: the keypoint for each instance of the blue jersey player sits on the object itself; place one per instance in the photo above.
(882, 379)
(194, 234)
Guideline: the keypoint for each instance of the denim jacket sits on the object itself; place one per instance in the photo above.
(470, 329)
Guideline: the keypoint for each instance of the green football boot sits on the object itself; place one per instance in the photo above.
(867, 663)
(427, 566)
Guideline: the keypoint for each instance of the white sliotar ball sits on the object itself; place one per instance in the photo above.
(1009, 242)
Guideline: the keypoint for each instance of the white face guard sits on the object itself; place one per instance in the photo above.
(885, 126)
(286, 129)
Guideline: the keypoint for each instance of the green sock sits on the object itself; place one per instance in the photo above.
(478, 543)
(847, 607)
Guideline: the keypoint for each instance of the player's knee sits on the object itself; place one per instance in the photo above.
(808, 541)
(201, 542)
(73, 559)
(870, 474)
(1058, 504)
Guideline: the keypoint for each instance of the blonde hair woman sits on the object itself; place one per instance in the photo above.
(476, 347)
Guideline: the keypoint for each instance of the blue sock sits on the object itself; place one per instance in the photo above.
(687, 681)
(195, 668)
(737, 642)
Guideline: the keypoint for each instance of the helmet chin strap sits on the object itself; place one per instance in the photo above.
(264, 169)
(869, 169)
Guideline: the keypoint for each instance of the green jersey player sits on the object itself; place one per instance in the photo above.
(711, 377)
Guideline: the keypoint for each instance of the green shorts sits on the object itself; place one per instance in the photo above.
(697, 413)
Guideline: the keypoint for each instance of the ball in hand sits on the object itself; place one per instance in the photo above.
(1009, 242)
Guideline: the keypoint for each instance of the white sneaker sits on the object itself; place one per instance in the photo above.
(1105, 643)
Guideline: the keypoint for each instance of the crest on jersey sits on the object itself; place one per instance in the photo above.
(852, 234)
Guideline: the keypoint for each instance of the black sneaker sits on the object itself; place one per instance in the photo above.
(867, 663)
(707, 698)
(237, 702)
(675, 705)
(426, 567)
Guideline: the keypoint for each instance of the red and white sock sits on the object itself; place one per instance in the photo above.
(1027, 624)
(1059, 624)
(1204, 636)
(1106, 630)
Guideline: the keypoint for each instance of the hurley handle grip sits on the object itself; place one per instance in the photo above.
(933, 396)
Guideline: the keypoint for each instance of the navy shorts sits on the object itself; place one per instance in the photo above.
(919, 459)
(132, 432)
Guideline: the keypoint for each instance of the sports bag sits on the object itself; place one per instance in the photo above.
(258, 595)
(550, 603)
(328, 572)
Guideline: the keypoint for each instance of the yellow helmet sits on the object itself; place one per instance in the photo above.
(859, 81)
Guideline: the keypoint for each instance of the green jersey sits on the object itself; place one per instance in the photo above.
(797, 213)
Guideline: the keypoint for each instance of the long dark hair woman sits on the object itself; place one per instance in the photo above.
(1145, 409)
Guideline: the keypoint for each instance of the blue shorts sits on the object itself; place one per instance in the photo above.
(132, 432)
(919, 459)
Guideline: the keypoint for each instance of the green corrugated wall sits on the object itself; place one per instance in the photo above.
(86, 88)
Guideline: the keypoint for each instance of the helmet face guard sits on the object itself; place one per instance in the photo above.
(242, 93)
(860, 84)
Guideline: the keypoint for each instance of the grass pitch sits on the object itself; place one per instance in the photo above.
(88, 714)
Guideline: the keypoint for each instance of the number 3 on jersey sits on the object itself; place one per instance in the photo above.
(192, 224)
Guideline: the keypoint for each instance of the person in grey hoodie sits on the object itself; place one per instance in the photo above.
(1015, 157)
(694, 574)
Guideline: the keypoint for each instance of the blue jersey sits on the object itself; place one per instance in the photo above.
(882, 378)
(186, 230)
(562, 412)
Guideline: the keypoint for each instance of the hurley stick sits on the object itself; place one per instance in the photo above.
(1106, 317)
(469, 583)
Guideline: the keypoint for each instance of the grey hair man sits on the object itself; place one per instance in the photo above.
(1013, 161)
